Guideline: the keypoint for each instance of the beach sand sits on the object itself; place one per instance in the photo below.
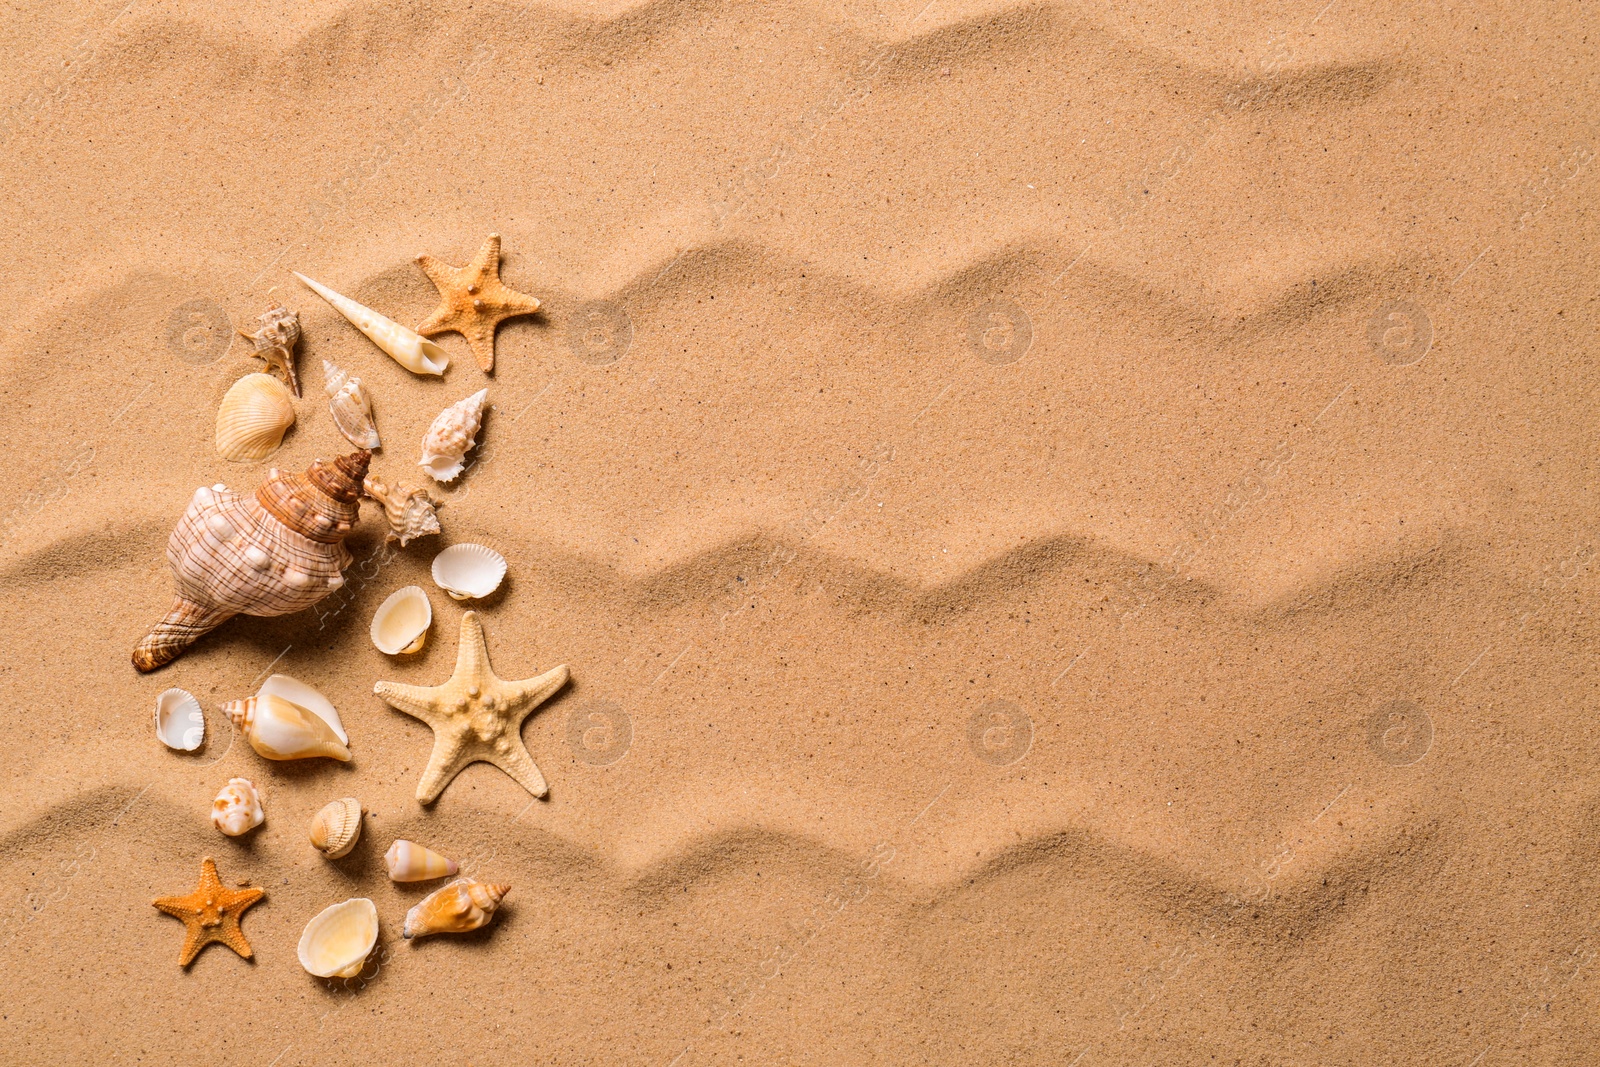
(1072, 527)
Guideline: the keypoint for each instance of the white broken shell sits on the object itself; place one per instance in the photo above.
(297, 692)
(401, 624)
(411, 862)
(338, 939)
(237, 809)
(451, 437)
(409, 348)
(180, 722)
(336, 828)
(467, 571)
(254, 415)
(409, 509)
(350, 406)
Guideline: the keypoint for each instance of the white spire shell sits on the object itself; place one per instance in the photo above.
(452, 436)
(409, 348)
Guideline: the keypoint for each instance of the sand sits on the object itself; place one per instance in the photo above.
(1072, 527)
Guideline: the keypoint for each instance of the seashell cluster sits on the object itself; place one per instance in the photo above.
(451, 437)
(411, 862)
(463, 905)
(280, 730)
(237, 809)
(336, 828)
(278, 551)
(338, 939)
(350, 406)
(255, 413)
(180, 722)
(274, 342)
(400, 626)
(467, 571)
(410, 349)
(408, 509)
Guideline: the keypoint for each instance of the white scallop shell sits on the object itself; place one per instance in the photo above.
(451, 437)
(350, 406)
(254, 415)
(410, 349)
(401, 623)
(297, 692)
(180, 722)
(466, 571)
(237, 809)
(338, 939)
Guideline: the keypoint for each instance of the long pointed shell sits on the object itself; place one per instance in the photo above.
(338, 939)
(401, 623)
(408, 509)
(180, 722)
(279, 730)
(237, 809)
(410, 349)
(350, 406)
(337, 827)
(411, 862)
(255, 414)
(274, 342)
(467, 570)
(297, 692)
(463, 905)
(451, 437)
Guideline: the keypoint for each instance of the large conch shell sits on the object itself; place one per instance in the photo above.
(465, 904)
(451, 437)
(350, 406)
(338, 939)
(409, 348)
(409, 509)
(274, 342)
(276, 552)
(254, 415)
(280, 730)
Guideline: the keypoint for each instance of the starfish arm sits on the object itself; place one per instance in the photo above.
(528, 694)
(415, 700)
(481, 341)
(516, 762)
(440, 274)
(443, 320)
(449, 757)
(194, 940)
(513, 303)
(487, 261)
(472, 657)
(230, 934)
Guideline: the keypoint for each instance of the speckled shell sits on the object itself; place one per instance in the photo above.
(237, 809)
(408, 509)
(461, 906)
(337, 827)
(350, 406)
(254, 415)
(452, 436)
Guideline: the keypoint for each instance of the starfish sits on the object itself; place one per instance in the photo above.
(475, 301)
(475, 716)
(211, 913)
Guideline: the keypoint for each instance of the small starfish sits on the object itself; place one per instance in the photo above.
(211, 913)
(475, 716)
(475, 300)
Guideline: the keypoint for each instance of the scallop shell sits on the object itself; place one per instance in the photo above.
(350, 406)
(274, 342)
(409, 348)
(401, 624)
(336, 828)
(180, 722)
(237, 809)
(297, 692)
(411, 862)
(409, 509)
(279, 730)
(338, 939)
(465, 904)
(451, 437)
(255, 414)
(467, 571)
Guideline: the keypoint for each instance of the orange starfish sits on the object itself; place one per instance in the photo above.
(211, 913)
(475, 301)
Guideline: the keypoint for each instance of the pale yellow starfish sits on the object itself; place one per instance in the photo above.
(475, 716)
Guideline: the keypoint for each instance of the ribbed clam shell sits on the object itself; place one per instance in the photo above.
(254, 415)
(350, 406)
(337, 827)
(180, 721)
(461, 906)
(401, 623)
(467, 570)
(338, 939)
(279, 730)
(409, 348)
(408, 509)
(411, 862)
(451, 437)
(237, 809)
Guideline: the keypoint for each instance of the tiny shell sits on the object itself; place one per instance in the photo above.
(463, 905)
(409, 509)
(409, 348)
(350, 406)
(338, 939)
(411, 862)
(280, 730)
(297, 692)
(237, 809)
(254, 415)
(401, 623)
(453, 434)
(180, 722)
(337, 827)
(467, 571)
(274, 342)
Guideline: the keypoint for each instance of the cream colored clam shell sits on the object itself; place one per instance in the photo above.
(338, 939)
(336, 828)
(466, 571)
(297, 692)
(180, 721)
(237, 809)
(410, 349)
(452, 435)
(400, 625)
(255, 413)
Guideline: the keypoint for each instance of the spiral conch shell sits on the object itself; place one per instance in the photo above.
(280, 730)
(338, 939)
(337, 827)
(350, 406)
(409, 509)
(278, 551)
(275, 340)
(411, 862)
(254, 415)
(237, 809)
(451, 437)
(409, 348)
(463, 905)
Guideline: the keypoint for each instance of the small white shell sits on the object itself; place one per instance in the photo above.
(452, 436)
(410, 349)
(336, 828)
(237, 809)
(254, 415)
(467, 570)
(338, 939)
(297, 692)
(350, 406)
(180, 722)
(401, 623)
(411, 862)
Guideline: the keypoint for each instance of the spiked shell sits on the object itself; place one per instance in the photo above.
(274, 342)
(350, 406)
(254, 415)
(463, 905)
(337, 827)
(408, 508)
(452, 436)
(273, 553)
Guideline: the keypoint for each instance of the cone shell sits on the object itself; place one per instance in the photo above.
(274, 342)
(237, 809)
(350, 406)
(466, 571)
(400, 626)
(451, 437)
(279, 730)
(180, 722)
(338, 939)
(411, 862)
(459, 907)
(410, 349)
(255, 414)
(408, 509)
(337, 827)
